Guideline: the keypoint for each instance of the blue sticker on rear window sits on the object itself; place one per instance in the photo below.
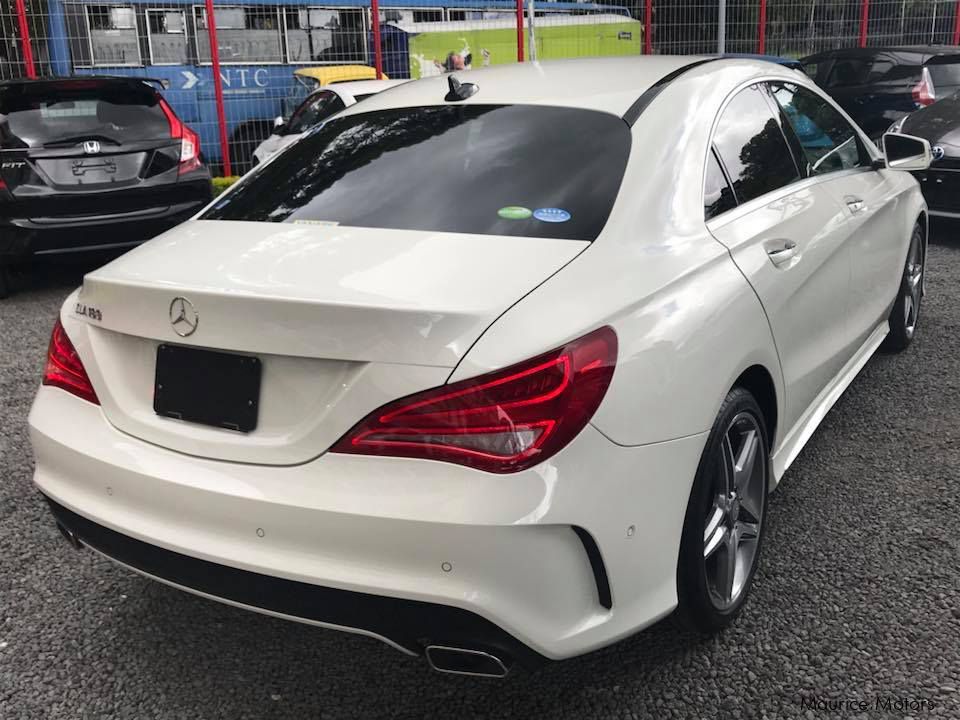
(552, 215)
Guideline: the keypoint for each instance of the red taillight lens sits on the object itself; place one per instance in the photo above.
(189, 140)
(923, 92)
(64, 369)
(502, 422)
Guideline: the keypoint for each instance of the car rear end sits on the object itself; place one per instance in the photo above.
(258, 408)
(91, 163)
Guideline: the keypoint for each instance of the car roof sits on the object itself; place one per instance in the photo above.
(82, 80)
(923, 50)
(362, 87)
(611, 84)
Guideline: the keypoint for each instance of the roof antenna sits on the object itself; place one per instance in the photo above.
(460, 91)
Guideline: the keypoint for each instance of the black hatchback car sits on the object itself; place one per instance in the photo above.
(939, 124)
(91, 163)
(878, 86)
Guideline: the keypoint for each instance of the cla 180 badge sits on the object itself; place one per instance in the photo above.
(88, 311)
(183, 317)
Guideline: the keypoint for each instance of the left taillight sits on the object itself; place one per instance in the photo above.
(189, 140)
(64, 369)
(502, 422)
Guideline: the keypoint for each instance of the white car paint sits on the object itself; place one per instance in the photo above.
(347, 92)
(347, 318)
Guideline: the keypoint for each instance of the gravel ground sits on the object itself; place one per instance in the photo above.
(858, 596)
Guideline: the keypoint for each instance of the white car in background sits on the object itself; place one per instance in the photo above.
(496, 372)
(315, 108)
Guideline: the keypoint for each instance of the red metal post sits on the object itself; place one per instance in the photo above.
(25, 40)
(377, 51)
(648, 28)
(762, 29)
(218, 87)
(956, 25)
(864, 18)
(520, 30)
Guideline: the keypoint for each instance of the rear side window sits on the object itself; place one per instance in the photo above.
(849, 71)
(38, 114)
(752, 147)
(314, 110)
(519, 170)
(827, 140)
(717, 193)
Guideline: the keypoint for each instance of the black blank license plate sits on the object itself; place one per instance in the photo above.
(207, 387)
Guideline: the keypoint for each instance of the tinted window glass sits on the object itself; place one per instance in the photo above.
(717, 194)
(752, 147)
(848, 71)
(944, 76)
(35, 114)
(828, 141)
(313, 111)
(488, 169)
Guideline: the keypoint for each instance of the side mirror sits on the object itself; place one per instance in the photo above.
(278, 124)
(906, 152)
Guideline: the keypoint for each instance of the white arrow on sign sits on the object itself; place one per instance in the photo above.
(191, 79)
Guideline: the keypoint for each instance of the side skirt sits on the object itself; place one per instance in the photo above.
(808, 423)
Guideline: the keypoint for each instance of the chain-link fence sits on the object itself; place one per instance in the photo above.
(230, 67)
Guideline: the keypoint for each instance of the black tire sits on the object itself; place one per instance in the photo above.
(905, 314)
(5, 282)
(701, 606)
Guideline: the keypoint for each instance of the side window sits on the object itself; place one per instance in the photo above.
(829, 143)
(750, 143)
(848, 71)
(314, 111)
(717, 194)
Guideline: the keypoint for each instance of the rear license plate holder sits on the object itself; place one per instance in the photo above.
(207, 387)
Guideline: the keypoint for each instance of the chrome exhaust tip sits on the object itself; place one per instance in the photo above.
(461, 661)
(70, 537)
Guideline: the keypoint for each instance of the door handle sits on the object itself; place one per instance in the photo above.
(854, 203)
(783, 252)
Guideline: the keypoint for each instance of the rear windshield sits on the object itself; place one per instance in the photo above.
(38, 114)
(518, 170)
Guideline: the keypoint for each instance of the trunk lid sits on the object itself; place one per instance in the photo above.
(342, 320)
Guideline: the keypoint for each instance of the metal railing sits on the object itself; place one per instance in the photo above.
(229, 67)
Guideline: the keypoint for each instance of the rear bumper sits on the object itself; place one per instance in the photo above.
(22, 238)
(418, 553)
(402, 623)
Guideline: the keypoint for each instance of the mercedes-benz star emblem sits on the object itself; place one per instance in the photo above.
(937, 152)
(183, 317)
(91, 147)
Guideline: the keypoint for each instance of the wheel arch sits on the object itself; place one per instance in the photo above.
(759, 382)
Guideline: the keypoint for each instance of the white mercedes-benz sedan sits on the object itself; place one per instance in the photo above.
(497, 371)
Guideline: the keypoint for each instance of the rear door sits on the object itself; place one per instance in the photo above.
(784, 237)
(78, 147)
(832, 150)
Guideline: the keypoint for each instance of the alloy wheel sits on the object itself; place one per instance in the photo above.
(732, 527)
(914, 289)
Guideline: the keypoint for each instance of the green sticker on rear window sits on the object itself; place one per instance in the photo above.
(514, 212)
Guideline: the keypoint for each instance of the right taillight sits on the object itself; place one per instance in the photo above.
(923, 92)
(189, 140)
(502, 422)
(64, 369)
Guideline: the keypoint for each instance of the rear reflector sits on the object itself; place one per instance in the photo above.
(64, 369)
(502, 422)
